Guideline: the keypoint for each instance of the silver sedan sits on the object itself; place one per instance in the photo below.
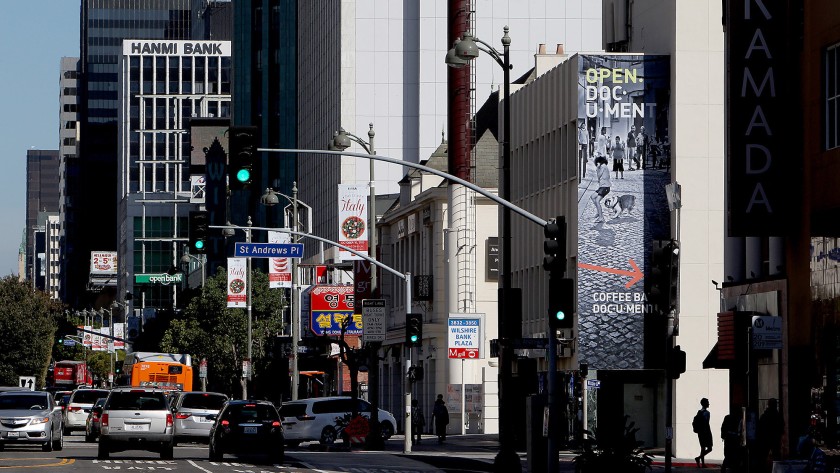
(28, 417)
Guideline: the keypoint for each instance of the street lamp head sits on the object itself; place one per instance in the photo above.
(269, 198)
(452, 60)
(466, 49)
(340, 140)
(228, 232)
(185, 259)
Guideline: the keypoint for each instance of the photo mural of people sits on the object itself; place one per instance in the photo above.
(625, 98)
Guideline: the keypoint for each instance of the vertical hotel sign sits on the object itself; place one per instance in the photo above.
(623, 100)
(352, 220)
(237, 283)
(760, 134)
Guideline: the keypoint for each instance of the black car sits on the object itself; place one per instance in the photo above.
(247, 427)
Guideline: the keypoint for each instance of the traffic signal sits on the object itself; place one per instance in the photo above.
(561, 302)
(415, 373)
(413, 330)
(555, 245)
(676, 363)
(664, 280)
(243, 149)
(198, 229)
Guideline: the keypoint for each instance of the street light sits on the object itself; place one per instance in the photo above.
(341, 141)
(461, 53)
(269, 198)
(229, 231)
(187, 257)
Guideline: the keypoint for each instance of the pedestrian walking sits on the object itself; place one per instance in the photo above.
(441, 415)
(583, 144)
(603, 173)
(618, 157)
(701, 426)
(730, 432)
(631, 149)
(642, 146)
(418, 421)
(770, 428)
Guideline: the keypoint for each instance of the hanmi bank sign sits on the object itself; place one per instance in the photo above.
(176, 48)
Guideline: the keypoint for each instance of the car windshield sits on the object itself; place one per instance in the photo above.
(203, 401)
(141, 401)
(87, 396)
(245, 413)
(25, 401)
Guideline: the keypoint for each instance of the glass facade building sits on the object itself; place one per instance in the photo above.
(164, 84)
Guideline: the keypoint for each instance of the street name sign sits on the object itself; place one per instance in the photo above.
(269, 250)
(465, 336)
(373, 320)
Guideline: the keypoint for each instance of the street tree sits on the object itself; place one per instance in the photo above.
(209, 329)
(28, 321)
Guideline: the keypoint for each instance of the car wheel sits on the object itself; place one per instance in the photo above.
(387, 430)
(58, 445)
(328, 435)
(215, 455)
(167, 452)
(103, 453)
(48, 446)
(277, 457)
(67, 431)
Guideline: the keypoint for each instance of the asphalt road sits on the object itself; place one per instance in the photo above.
(79, 456)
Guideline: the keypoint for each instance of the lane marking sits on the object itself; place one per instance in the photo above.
(205, 470)
(63, 462)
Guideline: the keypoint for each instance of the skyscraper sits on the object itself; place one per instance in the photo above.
(41, 193)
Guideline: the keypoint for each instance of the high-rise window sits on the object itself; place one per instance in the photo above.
(832, 97)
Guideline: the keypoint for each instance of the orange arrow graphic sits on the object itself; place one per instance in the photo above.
(636, 274)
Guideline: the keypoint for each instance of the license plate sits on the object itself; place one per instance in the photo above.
(137, 427)
(13, 434)
(203, 420)
(250, 430)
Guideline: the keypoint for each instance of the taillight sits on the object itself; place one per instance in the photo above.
(169, 420)
(75, 408)
(104, 420)
(275, 424)
(305, 417)
(225, 423)
(182, 416)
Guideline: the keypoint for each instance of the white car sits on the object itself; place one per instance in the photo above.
(28, 417)
(315, 418)
(78, 407)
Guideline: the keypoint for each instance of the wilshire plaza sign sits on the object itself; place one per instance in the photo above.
(133, 47)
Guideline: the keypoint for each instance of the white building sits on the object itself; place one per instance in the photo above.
(163, 84)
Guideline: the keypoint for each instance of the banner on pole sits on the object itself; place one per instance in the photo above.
(279, 269)
(352, 220)
(237, 283)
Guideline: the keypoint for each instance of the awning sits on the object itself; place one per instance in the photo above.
(713, 362)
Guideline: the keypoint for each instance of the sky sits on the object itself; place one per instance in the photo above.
(34, 36)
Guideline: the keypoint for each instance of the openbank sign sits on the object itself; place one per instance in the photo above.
(176, 48)
(163, 279)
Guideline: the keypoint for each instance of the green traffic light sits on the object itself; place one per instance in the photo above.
(199, 244)
(414, 338)
(243, 175)
(560, 315)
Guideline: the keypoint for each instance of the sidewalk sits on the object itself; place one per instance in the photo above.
(476, 452)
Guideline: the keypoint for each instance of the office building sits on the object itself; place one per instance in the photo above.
(41, 194)
(68, 167)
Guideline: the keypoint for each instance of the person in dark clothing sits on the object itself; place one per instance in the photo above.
(730, 432)
(418, 421)
(770, 428)
(704, 432)
(441, 415)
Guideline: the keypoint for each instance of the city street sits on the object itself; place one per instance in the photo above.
(463, 454)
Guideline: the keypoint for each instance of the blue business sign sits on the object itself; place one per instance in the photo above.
(269, 250)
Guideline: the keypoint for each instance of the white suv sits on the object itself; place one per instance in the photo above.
(78, 407)
(315, 418)
(136, 419)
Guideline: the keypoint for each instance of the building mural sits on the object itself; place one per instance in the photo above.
(625, 162)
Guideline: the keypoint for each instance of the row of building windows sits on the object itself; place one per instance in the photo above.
(160, 227)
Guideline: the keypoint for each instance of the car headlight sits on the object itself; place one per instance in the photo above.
(39, 420)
